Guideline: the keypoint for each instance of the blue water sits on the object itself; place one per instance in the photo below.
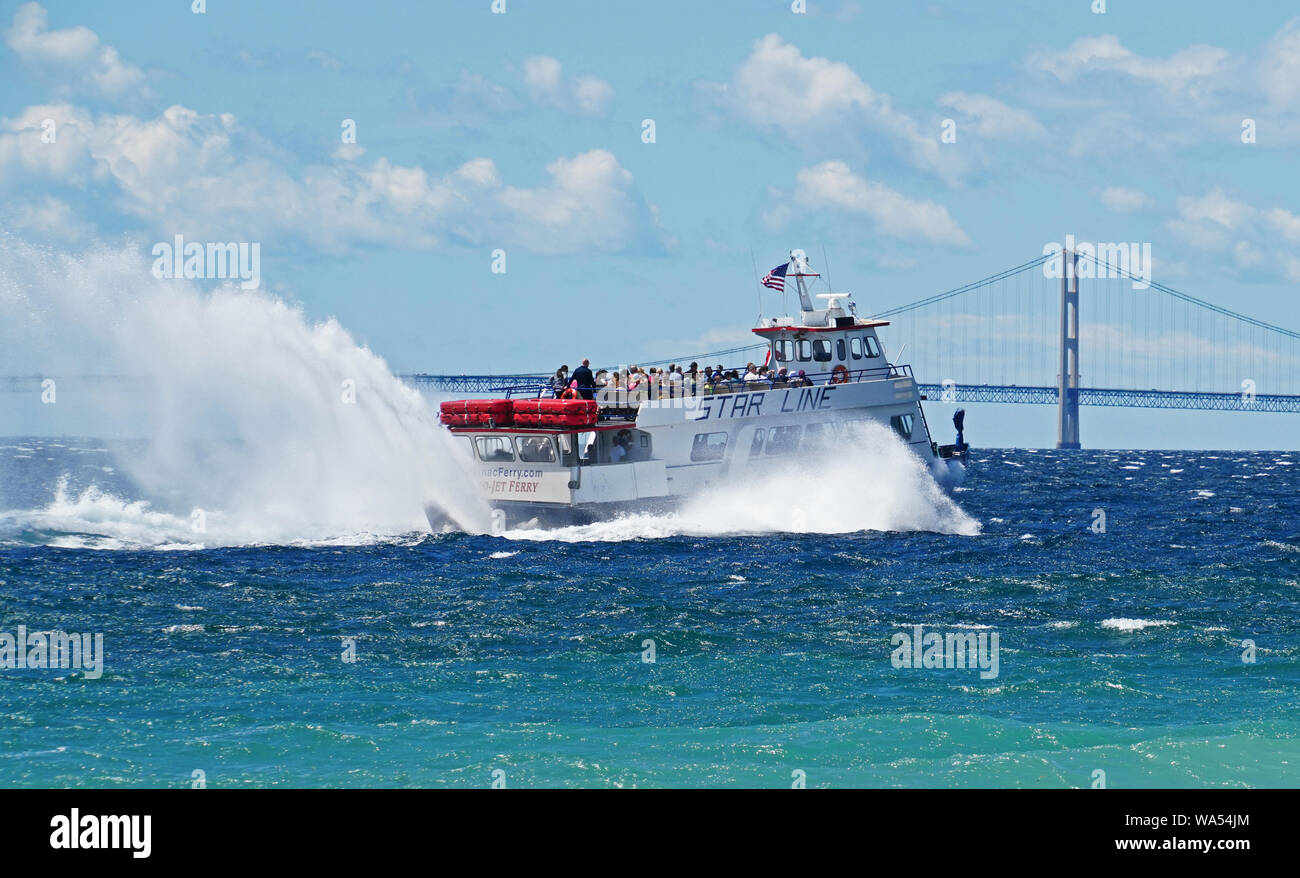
(1119, 651)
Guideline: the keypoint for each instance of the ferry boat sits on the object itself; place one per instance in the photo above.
(555, 462)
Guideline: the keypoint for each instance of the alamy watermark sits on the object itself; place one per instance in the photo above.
(46, 650)
(1100, 260)
(75, 831)
(953, 649)
(211, 260)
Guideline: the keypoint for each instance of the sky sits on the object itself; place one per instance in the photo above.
(635, 164)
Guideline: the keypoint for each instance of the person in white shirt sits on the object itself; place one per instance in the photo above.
(674, 381)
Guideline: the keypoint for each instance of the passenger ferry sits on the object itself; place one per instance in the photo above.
(557, 462)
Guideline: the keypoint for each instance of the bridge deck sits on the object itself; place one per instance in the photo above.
(961, 393)
(998, 393)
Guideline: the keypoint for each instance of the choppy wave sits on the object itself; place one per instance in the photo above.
(1135, 624)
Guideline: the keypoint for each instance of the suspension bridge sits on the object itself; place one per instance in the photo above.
(1024, 336)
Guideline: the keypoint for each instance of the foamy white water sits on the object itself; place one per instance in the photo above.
(273, 427)
(869, 482)
(1135, 624)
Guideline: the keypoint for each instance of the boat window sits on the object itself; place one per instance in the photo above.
(784, 350)
(568, 449)
(804, 349)
(812, 432)
(756, 447)
(783, 440)
(536, 449)
(822, 350)
(708, 446)
(839, 349)
(465, 445)
(902, 424)
(855, 347)
(495, 448)
(873, 346)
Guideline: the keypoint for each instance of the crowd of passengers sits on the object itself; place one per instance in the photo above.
(654, 383)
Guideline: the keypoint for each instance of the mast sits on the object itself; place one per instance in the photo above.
(799, 262)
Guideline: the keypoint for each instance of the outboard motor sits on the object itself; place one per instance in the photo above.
(959, 421)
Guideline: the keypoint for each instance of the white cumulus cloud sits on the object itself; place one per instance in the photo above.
(203, 176)
(1106, 53)
(1280, 69)
(1260, 240)
(74, 57)
(547, 85)
(807, 97)
(832, 185)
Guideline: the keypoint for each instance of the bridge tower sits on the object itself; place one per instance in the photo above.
(1067, 390)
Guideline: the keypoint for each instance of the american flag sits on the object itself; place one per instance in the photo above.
(776, 278)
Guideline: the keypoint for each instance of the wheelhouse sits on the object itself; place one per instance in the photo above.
(815, 349)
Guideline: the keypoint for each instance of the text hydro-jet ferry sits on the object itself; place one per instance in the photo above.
(616, 449)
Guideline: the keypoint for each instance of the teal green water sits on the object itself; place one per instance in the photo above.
(1119, 652)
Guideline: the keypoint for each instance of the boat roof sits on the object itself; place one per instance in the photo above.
(861, 324)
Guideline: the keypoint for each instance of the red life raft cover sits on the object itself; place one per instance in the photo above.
(476, 413)
(555, 413)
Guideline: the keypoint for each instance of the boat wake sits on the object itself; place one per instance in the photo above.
(879, 485)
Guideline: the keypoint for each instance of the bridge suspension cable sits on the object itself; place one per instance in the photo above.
(1178, 294)
(965, 288)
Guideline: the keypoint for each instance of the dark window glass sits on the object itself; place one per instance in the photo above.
(495, 448)
(708, 446)
(783, 440)
(536, 449)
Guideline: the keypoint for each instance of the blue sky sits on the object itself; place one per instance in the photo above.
(524, 131)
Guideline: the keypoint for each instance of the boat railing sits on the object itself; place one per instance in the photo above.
(529, 391)
(627, 400)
